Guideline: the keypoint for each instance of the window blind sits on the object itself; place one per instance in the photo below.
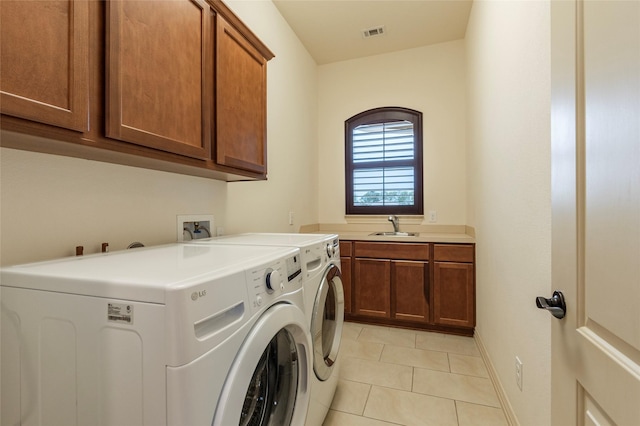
(383, 142)
(379, 177)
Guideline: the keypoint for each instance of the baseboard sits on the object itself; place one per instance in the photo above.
(493, 375)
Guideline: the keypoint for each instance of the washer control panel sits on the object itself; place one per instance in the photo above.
(268, 283)
(333, 248)
(294, 267)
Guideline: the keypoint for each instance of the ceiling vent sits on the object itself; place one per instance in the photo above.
(373, 32)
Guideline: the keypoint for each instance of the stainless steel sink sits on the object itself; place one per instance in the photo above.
(396, 234)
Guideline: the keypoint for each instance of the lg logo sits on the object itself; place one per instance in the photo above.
(198, 294)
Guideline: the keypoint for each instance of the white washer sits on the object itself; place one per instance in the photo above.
(171, 335)
(324, 306)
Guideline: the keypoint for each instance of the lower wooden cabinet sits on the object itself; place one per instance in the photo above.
(453, 295)
(410, 291)
(390, 281)
(391, 289)
(372, 288)
(454, 289)
(419, 285)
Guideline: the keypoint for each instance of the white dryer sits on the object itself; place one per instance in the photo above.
(171, 335)
(324, 305)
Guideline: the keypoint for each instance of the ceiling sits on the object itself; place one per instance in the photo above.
(331, 30)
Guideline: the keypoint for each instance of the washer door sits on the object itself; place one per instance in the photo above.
(268, 382)
(326, 322)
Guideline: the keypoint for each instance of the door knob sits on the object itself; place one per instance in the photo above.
(555, 305)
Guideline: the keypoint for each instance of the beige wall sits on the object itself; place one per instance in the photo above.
(49, 204)
(429, 79)
(509, 192)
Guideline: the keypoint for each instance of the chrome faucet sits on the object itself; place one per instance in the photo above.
(395, 222)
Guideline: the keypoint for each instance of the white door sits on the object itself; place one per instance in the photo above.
(595, 121)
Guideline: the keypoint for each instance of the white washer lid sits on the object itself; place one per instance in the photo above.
(270, 239)
(143, 274)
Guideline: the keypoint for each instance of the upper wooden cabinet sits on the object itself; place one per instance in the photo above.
(174, 85)
(159, 71)
(241, 101)
(44, 61)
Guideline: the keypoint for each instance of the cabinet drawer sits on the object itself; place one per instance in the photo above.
(345, 248)
(453, 252)
(401, 251)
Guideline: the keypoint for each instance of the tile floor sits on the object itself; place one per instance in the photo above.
(392, 376)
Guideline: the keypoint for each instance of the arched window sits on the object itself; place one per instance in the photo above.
(383, 162)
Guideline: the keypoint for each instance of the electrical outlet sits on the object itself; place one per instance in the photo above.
(519, 373)
(193, 226)
(433, 216)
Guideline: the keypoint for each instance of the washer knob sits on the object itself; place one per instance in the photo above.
(272, 280)
(331, 250)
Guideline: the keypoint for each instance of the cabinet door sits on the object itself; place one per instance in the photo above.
(44, 61)
(241, 101)
(372, 288)
(345, 269)
(400, 251)
(160, 74)
(454, 252)
(409, 291)
(454, 294)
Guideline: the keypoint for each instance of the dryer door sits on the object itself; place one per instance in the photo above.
(327, 322)
(268, 382)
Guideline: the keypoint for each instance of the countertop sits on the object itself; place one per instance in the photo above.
(460, 234)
